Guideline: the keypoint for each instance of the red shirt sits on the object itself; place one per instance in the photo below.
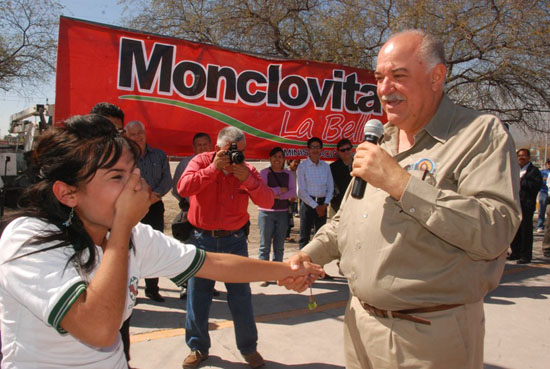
(219, 200)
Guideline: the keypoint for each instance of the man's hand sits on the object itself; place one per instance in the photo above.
(299, 284)
(241, 171)
(221, 160)
(379, 169)
(321, 210)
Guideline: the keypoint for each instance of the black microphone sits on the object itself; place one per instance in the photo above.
(374, 130)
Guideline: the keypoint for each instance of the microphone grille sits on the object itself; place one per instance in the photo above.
(374, 127)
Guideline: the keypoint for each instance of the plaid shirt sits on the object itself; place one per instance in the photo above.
(155, 170)
(314, 180)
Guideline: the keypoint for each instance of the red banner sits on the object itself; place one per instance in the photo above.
(178, 88)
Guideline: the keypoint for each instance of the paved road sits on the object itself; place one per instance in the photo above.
(291, 336)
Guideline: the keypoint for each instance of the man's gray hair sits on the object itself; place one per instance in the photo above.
(228, 135)
(431, 48)
(135, 123)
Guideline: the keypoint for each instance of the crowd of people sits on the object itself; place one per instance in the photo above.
(94, 222)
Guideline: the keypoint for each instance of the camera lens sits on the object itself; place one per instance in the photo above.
(236, 157)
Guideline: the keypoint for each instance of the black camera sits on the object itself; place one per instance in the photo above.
(235, 156)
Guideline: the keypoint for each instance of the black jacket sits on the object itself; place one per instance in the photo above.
(342, 177)
(530, 185)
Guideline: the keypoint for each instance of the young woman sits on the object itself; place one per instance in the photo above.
(71, 260)
(273, 222)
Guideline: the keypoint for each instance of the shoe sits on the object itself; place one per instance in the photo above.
(540, 230)
(512, 257)
(194, 358)
(523, 261)
(290, 240)
(215, 292)
(254, 359)
(155, 296)
(264, 284)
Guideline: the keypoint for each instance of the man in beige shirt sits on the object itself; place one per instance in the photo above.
(429, 238)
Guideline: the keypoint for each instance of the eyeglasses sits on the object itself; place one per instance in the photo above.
(314, 147)
(345, 149)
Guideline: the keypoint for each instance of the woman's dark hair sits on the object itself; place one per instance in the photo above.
(71, 153)
(275, 150)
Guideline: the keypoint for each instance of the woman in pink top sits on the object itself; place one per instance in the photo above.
(273, 222)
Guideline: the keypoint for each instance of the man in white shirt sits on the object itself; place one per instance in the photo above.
(315, 190)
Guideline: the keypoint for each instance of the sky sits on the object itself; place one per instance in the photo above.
(103, 11)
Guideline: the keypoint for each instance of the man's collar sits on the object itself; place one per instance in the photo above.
(526, 166)
(146, 150)
(311, 161)
(439, 126)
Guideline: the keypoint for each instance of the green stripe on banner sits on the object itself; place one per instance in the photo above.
(220, 117)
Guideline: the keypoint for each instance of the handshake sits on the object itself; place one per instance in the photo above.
(306, 273)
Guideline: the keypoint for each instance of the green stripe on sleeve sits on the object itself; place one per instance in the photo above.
(196, 264)
(64, 304)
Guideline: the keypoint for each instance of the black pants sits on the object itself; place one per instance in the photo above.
(309, 219)
(522, 245)
(155, 218)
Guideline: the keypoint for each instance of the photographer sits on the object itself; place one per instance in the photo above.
(219, 185)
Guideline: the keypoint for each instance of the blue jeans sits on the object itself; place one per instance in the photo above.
(273, 225)
(543, 202)
(239, 298)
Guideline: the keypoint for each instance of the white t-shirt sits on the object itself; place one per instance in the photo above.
(36, 291)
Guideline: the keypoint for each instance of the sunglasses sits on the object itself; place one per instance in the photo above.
(346, 149)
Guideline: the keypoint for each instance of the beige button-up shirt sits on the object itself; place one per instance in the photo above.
(445, 241)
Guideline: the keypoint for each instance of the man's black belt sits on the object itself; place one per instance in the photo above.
(318, 200)
(218, 232)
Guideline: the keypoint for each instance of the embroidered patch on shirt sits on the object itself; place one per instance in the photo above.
(425, 165)
(133, 288)
(424, 169)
